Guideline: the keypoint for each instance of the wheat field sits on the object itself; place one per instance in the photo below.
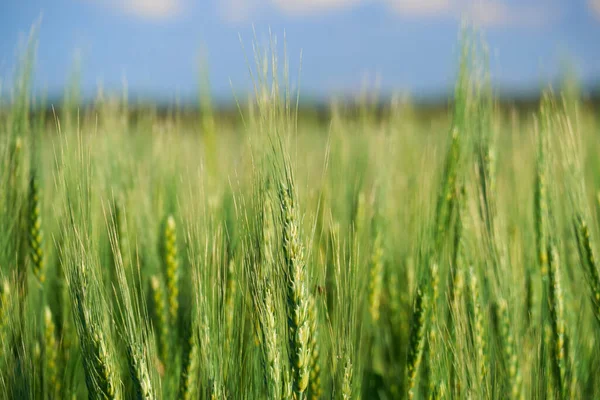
(371, 256)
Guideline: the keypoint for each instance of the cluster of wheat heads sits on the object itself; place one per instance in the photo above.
(389, 257)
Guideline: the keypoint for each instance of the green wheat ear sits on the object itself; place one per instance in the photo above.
(586, 252)
(15, 156)
(171, 264)
(347, 379)
(104, 375)
(230, 293)
(4, 300)
(36, 235)
(376, 278)
(138, 343)
(541, 206)
(267, 316)
(478, 326)
(190, 363)
(297, 289)
(98, 355)
(4, 313)
(315, 389)
(509, 350)
(121, 230)
(417, 340)
(447, 194)
(271, 347)
(556, 303)
(50, 355)
(161, 314)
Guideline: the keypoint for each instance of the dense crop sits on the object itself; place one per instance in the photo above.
(389, 257)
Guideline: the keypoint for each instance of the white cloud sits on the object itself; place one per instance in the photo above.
(154, 9)
(312, 6)
(146, 9)
(489, 13)
(240, 10)
(595, 7)
(496, 13)
(237, 10)
(482, 13)
(420, 7)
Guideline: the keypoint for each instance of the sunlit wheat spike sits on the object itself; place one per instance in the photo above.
(272, 352)
(101, 375)
(347, 379)
(376, 278)
(161, 314)
(139, 371)
(171, 266)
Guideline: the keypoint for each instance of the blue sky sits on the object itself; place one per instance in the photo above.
(399, 45)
